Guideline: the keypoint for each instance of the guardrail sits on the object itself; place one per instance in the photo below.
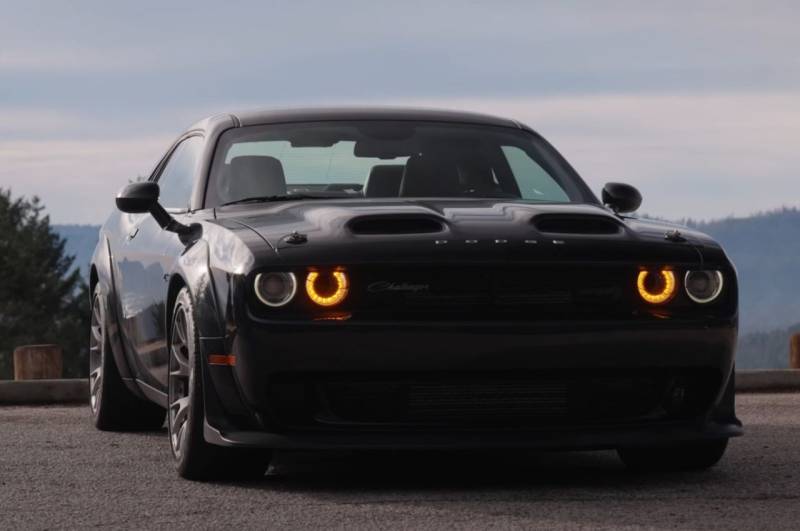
(76, 391)
(62, 391)
(768, 381)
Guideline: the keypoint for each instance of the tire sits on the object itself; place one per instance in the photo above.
(690, 456)
(195, 458)
(114, 407)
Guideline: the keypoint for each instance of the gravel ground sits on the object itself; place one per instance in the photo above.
(56, 471)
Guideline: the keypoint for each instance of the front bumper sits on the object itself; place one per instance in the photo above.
(282, 364)
(609, 437)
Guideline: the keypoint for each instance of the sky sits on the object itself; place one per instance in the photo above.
(695, 103)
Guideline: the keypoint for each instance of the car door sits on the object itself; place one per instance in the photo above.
(145, 260)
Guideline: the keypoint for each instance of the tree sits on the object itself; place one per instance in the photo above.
(42, 298)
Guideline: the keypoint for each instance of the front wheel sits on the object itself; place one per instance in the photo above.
(689, 456)
(194, 457)
(114, 407)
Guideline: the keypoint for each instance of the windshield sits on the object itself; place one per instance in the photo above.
(388, 159)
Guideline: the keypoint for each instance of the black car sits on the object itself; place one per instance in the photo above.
(403, 279)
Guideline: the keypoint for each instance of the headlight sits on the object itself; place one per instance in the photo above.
(275, 289)
(327, 289)
(703, 286)
(657, 288)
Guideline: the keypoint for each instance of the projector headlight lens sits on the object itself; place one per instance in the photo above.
(656, 287)
(327, 289)
(275, 289)
(703, 286)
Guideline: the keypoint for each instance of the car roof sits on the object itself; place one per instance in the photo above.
(314, 114)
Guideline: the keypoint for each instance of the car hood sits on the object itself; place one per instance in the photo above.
(350, 231)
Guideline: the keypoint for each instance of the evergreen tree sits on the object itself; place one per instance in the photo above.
(42, 298)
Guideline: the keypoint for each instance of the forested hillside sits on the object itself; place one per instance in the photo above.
(765, 248)
(43, 299)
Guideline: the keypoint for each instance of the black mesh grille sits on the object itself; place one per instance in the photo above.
(533, 400)
(532, 293)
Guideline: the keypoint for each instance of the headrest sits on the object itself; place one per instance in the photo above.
(384, 181)
(475, 174)
(255, 176)
(426, 177)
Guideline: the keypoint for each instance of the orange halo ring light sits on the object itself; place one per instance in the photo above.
(662, 295)
(340, 285)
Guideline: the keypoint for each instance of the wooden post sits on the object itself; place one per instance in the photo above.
(794, 353)
(37, 362)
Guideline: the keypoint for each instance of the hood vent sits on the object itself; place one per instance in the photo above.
(372, 225)
(576, 224)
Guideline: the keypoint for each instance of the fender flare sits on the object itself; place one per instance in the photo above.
(192, 270)
(102, 276)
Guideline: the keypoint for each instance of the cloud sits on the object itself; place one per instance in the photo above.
(694, 102)
(77, 180)
(34, 121)
(85, 60)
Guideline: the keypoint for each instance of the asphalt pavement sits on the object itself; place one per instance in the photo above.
(56, 472)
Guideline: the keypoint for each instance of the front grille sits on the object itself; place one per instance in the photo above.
(493, 293)
(513, 401)
(434, 402)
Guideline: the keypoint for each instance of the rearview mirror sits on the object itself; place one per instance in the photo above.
(138, 198)
(621, 198)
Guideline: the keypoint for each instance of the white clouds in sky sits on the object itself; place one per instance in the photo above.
(695, 102)
(80, 60)
(77, 179)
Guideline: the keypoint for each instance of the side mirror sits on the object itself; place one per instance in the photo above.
(138, 198)
(621, 198)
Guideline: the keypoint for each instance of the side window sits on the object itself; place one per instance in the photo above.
(533, 181)
(178, 176)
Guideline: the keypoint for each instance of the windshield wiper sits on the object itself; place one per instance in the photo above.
(269, 198)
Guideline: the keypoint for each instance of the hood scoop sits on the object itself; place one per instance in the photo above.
(576, 224)
(395, 224)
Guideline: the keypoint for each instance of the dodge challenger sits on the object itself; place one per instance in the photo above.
(403, 279)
